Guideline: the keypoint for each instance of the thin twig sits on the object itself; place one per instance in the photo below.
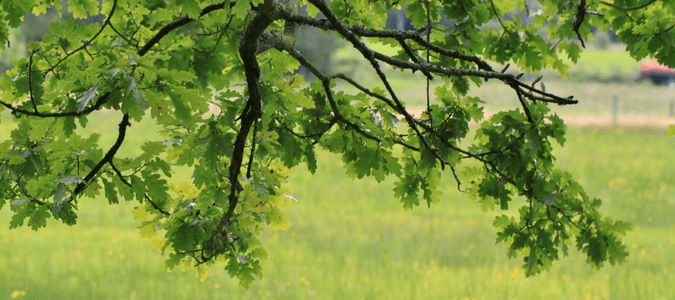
(87, 43)
(626, 9)
(459, 183)
(30, 80)
(119, 174)
(412, 56)
(164, 212)
(179, 23)
(523, 104)
(494, 9)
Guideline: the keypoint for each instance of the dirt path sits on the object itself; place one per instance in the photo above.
(626, 120)
(622, 120)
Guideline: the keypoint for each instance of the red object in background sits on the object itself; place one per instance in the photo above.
(659, 74)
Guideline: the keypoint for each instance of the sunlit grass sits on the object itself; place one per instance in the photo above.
(352, 239)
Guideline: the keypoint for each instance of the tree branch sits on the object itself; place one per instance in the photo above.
(412, 56)
(248, 47)
(119, 174)
(30, 80)
(107, 158)
(452, 71)
(484, 69)
(523, 104)
(368, 55)
(578, 20)
(281, 40)
(252, 152)
(338, 116)
(179, 23)
(626, 9)
(125, 120)
(395, 34)
(101, 100)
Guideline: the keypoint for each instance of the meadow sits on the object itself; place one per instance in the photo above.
(352, 240)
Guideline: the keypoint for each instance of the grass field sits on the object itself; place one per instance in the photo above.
(352, 239)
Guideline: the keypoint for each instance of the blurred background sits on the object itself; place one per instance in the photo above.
(353, 240)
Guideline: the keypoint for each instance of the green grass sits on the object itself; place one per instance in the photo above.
(352, 240)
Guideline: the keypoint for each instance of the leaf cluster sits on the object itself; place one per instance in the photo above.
(218, 78)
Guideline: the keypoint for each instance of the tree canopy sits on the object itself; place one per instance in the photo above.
(219, 79)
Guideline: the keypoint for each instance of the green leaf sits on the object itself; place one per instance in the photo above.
(671, 131)
(80, 8)
(70, 179)
(40, 9)
(184, 237)
(551, 199)
(140, 212)
(190, 8)
(502, 221)
(38, 218)
(137, 187)
(58, 197)
(622, 227)
(596, 250)
(135, 93)
(310, 158)
(417, 14)
(173, 261)
(181, 110)
(157, 188)
(18, 202)
(573, 52)
(110, 192)
(241, 9)
(40, 128)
